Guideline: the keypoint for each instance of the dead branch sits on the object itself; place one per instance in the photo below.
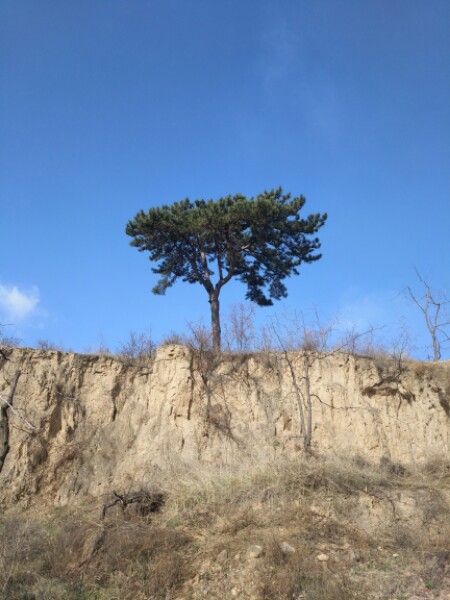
(431, 306)
(30, 427)
(148, 502)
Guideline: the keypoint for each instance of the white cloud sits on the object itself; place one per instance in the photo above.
(365, 310)
(17, 305)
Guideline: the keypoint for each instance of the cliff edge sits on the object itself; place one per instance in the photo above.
(83, 425)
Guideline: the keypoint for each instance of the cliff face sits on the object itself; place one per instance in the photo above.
(82, 425)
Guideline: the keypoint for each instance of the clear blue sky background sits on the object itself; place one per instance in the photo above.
(110, 106)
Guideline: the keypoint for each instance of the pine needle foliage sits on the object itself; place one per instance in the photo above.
(259, 241)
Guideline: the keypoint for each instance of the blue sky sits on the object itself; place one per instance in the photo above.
(112, 106)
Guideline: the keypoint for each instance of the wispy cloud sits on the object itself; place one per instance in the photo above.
(15, 304)
(300, 78)
(280, 51)
(364, 310)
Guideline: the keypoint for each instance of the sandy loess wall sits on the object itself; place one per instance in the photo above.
(84, 425)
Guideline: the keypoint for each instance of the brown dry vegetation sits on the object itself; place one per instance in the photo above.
(381, 533)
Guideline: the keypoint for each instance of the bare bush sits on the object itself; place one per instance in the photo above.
(290, 576)
(47, 345)
(199, 340)
(103, 350)
(175, 339)
(239, 330)
(138, 350)
(146, 502)
(8, 340)
(139, 557)
(199, 337)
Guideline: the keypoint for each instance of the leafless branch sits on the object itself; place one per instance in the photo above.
(431, 305)
(29, 425)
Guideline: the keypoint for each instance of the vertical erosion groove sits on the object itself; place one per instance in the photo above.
(4, 422)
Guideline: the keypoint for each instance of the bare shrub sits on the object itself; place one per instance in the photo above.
(361, 343)
(435, 508)
(103, 350)
(241, 518)
(301, 575)
(239, 330)
(22, 542)
(146, 502)
(437, 467)
(138, 350)
(392, 467)
(147, 557)
(405, 537)
(10, 341)
(199, 340)
(265, 340)
(199, 337)
(47, 345)
(175, 339)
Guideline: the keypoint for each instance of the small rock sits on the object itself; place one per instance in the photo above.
(204, 568)
(322, 557)
(287, 548)
(255, 551)
(222, 556)
(395, 555)
(234, 592)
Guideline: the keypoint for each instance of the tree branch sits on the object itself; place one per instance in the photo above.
(206, 284)
(431, 308)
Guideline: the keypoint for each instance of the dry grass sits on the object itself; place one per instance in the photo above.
(385, 533)
(300, 575)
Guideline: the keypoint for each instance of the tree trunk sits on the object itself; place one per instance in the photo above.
(215, 322)
(436, 345)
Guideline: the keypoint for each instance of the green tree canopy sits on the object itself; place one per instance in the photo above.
(259, 241)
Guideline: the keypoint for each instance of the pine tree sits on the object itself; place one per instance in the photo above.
(259, 241)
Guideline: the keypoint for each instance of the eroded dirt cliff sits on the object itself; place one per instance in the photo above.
(82, 425)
